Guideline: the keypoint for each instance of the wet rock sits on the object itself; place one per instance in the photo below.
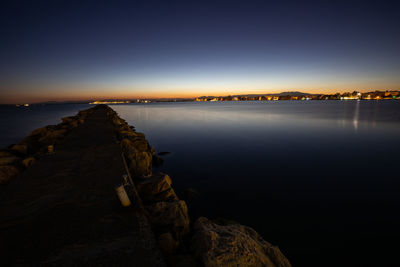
(7, 173)
(233, 245)
(157, 188)
(170, 216)
(167, 243)
(28, 162)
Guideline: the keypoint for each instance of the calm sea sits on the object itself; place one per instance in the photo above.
(17, 122)
(319, 179)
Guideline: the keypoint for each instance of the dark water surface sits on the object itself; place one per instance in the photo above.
(319, 179)
(17, 122)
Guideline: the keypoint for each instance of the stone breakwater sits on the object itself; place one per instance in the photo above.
(18, 157)
(182, 242)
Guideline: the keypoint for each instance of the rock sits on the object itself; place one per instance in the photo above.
(71, 121)
(157, 161)
(157, 188)
(233, 245)
(40, 131)
(170, 216)
(20, 149)
(52, 136)
(167, 243)
(190, 195)
(162, 153)
(7, 173)
(9, 160)
(139, 161)
(126, 134)
(4, 154)
(141, 144)
(28, 162)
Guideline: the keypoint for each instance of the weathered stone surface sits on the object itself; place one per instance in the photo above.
(167, 243)
(141, 144)
(171, 216)
(71, 121)
(9, 160)
(139, 161)
(7, 173)
(157, 188)
(52, 136)
(40, 131)
(28, 162)
(20, 148)
(233, 245)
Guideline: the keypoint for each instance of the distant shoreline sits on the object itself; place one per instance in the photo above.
(374, 95)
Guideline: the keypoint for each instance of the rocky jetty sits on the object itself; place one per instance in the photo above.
(17, 157)
(182, 242)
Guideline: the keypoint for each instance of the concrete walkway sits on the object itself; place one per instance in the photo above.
(64, 211)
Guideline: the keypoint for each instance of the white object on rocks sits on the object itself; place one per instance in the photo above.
(123, 196)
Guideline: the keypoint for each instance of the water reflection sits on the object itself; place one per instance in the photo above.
(283, 165)
(356, 115)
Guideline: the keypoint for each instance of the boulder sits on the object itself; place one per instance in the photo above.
(170, 216)
(40, 131)
(139, 161)
(71, 121)
(167, 243)
(233, 245)
(9, 160)
(157, 188)
(127, 134)
(141, 144)
(20, 149)
(190, 195)
(7, 173)
(28, 162)
(52, 136)
(4, 154)
(157, 161)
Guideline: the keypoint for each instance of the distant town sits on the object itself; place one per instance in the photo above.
(375, 95)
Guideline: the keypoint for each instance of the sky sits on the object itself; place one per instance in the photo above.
(74, 50)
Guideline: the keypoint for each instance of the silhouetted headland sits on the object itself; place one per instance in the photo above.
(59, 206)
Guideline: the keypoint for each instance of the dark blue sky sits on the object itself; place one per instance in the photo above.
(68, 50)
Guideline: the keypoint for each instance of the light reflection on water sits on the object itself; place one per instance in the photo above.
(309, 176)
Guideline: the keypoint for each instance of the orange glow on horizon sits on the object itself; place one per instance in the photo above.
(92, 94)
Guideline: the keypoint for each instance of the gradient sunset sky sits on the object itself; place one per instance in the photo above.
(70, 50)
